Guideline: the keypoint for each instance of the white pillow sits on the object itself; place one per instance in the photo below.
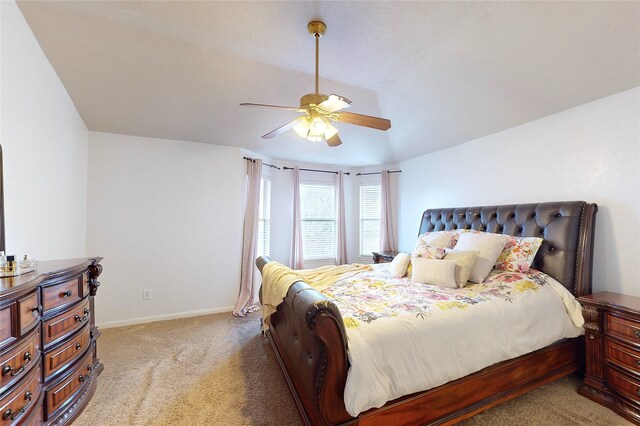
(440, 239)
(489, 245)
(464, 263)
(399, 264)
(432, 271)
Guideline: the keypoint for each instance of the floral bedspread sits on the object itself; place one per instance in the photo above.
(405, 337)
(377, 294)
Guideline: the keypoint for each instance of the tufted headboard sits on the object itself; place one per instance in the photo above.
(567, 229)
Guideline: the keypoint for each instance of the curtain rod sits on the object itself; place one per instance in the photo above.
(318, 171)
(377, 173)
(264, 164)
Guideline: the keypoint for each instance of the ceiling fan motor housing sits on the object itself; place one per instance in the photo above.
(312, 99)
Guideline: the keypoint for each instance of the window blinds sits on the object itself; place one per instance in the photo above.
(264, 218)
(318, 207)
(369, 219)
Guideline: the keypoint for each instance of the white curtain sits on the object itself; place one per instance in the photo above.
(248, 300)
(296, 261)
(341, 252)
(387, 237)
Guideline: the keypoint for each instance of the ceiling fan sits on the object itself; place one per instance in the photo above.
(319, 110)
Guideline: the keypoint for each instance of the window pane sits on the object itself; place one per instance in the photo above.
(369, 219)
(318, 221)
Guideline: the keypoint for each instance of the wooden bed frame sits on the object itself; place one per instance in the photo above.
(309, 338)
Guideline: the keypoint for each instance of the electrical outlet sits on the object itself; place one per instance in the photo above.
(146, 294)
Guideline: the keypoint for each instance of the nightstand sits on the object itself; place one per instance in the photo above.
(383, 256)
(612, 346)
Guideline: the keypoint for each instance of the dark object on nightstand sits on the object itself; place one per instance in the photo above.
(612, 336)
(384, 256)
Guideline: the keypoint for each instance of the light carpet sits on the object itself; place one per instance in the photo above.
(219, 370)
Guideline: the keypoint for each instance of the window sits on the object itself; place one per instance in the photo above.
(318, 205)
(369, 219)
(264, 218)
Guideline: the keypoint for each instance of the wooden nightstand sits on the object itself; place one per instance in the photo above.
(383, 256)
(612, 343)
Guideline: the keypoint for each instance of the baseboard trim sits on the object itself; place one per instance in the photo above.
(163, 317)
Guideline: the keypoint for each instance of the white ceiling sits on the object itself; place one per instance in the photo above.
(442, 72)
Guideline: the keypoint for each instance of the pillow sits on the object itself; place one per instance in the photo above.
(432, 271)
(489, 245)
(399, 264)
(518, 254)
(428, 252)
(464, 263)
(443, 239)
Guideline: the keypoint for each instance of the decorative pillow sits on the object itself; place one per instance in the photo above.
(464, 263)
(443, 239)
(399, 264)
(518, 254)
(432, 271)
(428, 252)
(409, 269)
(489, 245)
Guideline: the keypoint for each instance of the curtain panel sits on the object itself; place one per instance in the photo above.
(248, 299)
(297, 260)
(387, 235)
(341, 252)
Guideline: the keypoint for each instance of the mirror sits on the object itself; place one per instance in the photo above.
(1, 205)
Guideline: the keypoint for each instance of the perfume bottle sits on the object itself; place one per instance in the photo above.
(27, 263)
(12, 265)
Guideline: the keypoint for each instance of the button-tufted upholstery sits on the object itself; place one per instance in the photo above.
(558, 223)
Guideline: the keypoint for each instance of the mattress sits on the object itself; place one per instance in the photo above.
(404, 337)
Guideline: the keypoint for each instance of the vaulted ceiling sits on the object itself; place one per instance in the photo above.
(443, 72)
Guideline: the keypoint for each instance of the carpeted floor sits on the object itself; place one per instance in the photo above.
(219, 370)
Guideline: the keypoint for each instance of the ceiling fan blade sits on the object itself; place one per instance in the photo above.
(297, 109)
(334, 140)
(334, 103)
(280, 130)
(364, 120)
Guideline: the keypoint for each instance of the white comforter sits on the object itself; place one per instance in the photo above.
(405, 337)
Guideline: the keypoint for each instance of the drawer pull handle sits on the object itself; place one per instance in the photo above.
(637, 362)
(89, 368)
(83, 318)
(78, 346)
(37, 309)
(67, 293)
(637, 333)
(14, 372)
(10, 414)
(82, 378)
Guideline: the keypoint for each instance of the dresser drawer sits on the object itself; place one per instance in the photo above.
(624, 329)
(623, 384)
(7, 331)
(66, 323)
(62, 294)
(57, 359)
(17, 404)
(28, 312)
(61, 393)
(16, 362)
(623, 356)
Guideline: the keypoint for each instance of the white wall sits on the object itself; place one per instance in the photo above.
(44, 142)
(165, 215)
(590, 152)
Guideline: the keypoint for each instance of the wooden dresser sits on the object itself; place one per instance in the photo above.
(48, 360)
(612, 328)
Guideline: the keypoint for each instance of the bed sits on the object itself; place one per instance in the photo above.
(308, 335)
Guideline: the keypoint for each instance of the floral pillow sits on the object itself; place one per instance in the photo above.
(518, 254)
(426, 251)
